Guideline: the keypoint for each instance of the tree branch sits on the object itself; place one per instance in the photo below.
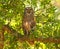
(23, 38)
(44, 40)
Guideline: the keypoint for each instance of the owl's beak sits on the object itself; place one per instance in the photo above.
(28, 11)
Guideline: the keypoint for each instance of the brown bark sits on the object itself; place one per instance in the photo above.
(1, 39)
(24, 38)
(44, 40)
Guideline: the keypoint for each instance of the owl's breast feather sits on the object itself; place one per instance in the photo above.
(27, 25)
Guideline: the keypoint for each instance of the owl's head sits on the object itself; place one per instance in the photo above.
(28, 10)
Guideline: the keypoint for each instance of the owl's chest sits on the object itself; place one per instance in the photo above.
(27, 18)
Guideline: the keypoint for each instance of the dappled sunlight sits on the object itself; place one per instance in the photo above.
(42, 24)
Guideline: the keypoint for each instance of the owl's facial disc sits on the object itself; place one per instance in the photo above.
(29, 11)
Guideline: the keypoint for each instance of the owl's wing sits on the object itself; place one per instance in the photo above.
(33, 24)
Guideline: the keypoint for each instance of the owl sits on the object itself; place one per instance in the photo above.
(28, 21)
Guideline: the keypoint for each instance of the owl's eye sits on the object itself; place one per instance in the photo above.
(27, 8)
(30, 8)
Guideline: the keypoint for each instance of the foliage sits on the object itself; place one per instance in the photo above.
(47, 23)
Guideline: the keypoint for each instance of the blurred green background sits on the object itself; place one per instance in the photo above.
(47, 15)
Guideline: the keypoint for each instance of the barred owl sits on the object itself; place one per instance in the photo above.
(28, 21)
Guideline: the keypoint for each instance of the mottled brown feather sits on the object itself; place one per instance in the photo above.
(28, 21)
